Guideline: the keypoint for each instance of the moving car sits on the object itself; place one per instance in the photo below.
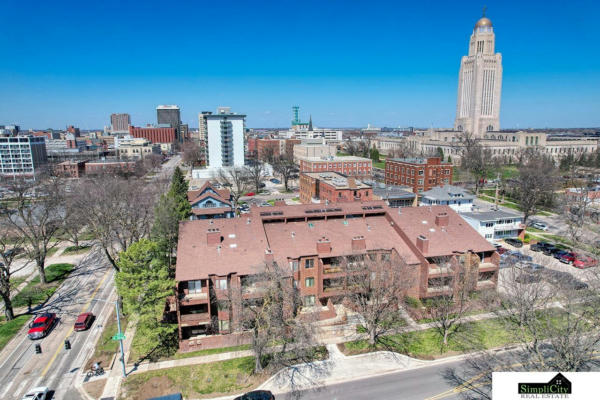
(38, 393)
(41, 326)
(257, 395)
(249, 194)
(582, 261)
(84, 321)
(514, 242)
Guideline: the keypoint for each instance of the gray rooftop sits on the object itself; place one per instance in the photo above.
(447, 192)
(491, 215)
(391, 191)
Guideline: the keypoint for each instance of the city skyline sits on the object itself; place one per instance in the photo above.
(344, 64)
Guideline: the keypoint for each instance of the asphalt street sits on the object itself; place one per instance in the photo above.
(414, 384)
(21, 369)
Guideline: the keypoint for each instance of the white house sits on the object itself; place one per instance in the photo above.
(495, 224)
(455, 197)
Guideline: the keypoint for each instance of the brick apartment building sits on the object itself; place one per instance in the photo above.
(216, 257)
(113, 167)
(347, 165)
(153, 134)
(421, 174)
(332, 187)
(70, 169)
(258, 147)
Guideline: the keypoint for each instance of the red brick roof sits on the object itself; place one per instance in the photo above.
(457, 236)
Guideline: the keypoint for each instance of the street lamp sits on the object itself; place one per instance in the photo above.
(119, 336)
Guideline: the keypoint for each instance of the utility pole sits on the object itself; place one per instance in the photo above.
(120, 336)
(497, 182)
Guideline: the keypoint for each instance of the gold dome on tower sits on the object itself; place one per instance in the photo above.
(483, 22)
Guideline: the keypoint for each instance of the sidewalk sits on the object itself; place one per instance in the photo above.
(115, 375)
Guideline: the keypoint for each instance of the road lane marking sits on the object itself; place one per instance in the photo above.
(45, 371)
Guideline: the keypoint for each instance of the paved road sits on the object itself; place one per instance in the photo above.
(415, 384)
(57, 368)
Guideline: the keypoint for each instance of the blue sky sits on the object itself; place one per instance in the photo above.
(348, 63)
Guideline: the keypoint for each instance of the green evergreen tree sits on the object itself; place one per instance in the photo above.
(143, 283)
(440, 153)
(165, 230)
(178, 191)
(374, 155)
(449, 158)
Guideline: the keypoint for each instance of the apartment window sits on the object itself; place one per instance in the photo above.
(489, 224)
(309, 282)
(295, 284)
(420, 181)
(488, 235)
(421, 172)
(221, 284)
(309, 263)
(294, 265)
(194, 286)
(223, 325)
(385, 257)
(309, 301)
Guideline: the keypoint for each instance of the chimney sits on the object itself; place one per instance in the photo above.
(359, 243)
(423, 244)
(442, 219)
(213, 236)
(323, 245)
(269, 258)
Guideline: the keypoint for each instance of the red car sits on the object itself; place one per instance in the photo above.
(84, 321)
(585, 262)
(249, 194)
(568, 257)
(41, 325)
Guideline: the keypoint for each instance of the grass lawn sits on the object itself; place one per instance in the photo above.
(271, 202)
(72, 250)
(534, 230)
(9, 329)
(379, 164)
(15, 282)
(37, 292)
(224, 377)
(296, 198)
(106, 347)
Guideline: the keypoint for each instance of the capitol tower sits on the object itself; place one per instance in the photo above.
(480, 83)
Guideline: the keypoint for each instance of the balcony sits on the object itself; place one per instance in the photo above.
(193, 298)
(487, 265)
(195, 319)
(331, 269)
(435, 269)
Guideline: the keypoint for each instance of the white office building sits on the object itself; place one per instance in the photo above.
(21, 155)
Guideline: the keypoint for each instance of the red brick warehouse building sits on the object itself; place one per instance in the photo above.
(347, 165)
(331, 187)
(421, 174)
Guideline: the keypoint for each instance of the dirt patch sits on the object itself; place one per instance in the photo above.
(95, 389)
(153, 387)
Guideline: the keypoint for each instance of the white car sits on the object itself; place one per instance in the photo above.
(38, 393)
(540, 226)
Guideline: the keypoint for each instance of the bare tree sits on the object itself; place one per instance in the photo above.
(255, 170)
(536, 182)
(448, 310)
(152, 161)
(267, 154)
(75, 221)
(269, 307)
(474, 157)
(118, 212)
(376, 285)
(286, 168)
(236, 180)
(577, 205)
(550, 315)
(10, 244)
(192, 153)
(39, 212)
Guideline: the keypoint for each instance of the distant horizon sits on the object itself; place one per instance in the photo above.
(390, 64)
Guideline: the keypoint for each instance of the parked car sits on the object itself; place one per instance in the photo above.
(539, 246)
(41, 326)
(501, 250)
(565, 279)
(38, 393)
(514, 242)
(561, 252)
(275, 181)
(539, 225)
(257, 395)
(84, 321)
(568, 258)
(582, 261)
(250, 194)
(550, 249)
